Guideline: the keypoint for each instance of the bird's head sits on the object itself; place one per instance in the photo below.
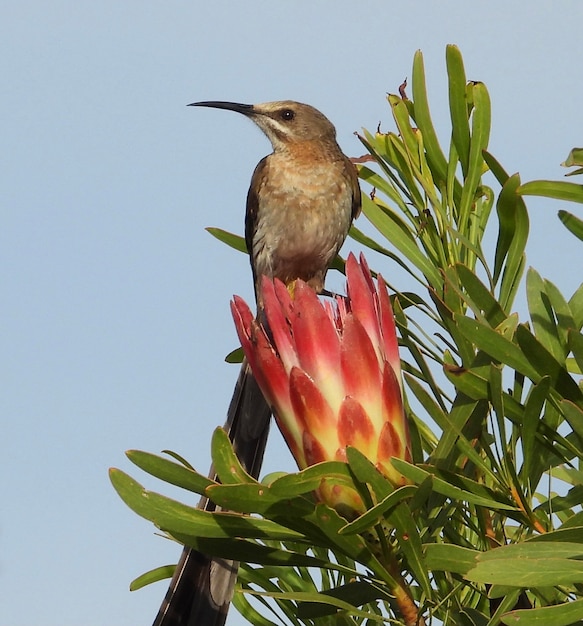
(284, 122)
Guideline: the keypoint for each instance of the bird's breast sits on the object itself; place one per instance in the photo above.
(303, 216)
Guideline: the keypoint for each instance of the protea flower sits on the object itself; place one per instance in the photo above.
(331, 372)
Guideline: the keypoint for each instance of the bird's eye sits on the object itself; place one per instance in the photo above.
(287, 115)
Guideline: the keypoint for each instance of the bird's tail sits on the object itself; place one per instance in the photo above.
(201, 589)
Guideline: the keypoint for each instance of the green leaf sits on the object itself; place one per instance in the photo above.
(574, 158)
(495, 345)
(532, 412)
(235, 356)
(481, 297)
(572, 223)
(153, 576)
(574, 415)
(534, 550)
(418, 475)
(575, 343)
(374, 515)
(576, 307)
(320, 598)
(557, 189)
(542, 314)
(258, 498)
(450, 558)
(355, 594)
(527, 572)
(225, 461)
(458, 105)
(512, 236)
(546, 365)
(435, 155)
(170, 472)
(234, 241)
(566, 614)
(392, 228)
(311, 478)
(479, 142)
(175, 517)
(569, 535)
(247, 551)
(496, 168)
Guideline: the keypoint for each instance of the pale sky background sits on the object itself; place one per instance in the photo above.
(115, 316)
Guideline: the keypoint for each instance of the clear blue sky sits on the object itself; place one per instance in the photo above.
(115, 316)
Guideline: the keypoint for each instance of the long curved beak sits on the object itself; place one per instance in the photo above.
(245, 109)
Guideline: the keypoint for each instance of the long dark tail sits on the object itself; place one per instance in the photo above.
(201, 589)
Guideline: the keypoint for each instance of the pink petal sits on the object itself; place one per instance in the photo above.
(361, 293)
(361, 372)
(242, 316)
(316, 338)
(294, 440)
(355, 428)
(313, 451)
(395, 439)
(268, 370)
(277, 322)
(264, 362)
(311, 411)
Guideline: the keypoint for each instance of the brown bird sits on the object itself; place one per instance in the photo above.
(301, 202)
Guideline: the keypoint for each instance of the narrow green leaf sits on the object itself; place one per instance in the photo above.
(534, 550)
(575, 343)
(450, 558)
(557, 189)
(418, 475)
(497, 346)
(478, 142)
(234, 241)
(527, 572)
(542, 314)
(355, 593)
(496, 168)
(575, 157)
(569, 535)
(576, 307)
(247, 551)
(458, 105)
(310, 479)
(153, 576)
(258, 498)
(249, 612)
(566, 614)
(170, 472)
(572, 223)
(235, 356)
(393, 229)
(574, 415)
(481, 296)
(532, 415)
(175, 517)
(367, 473)
(374, 515)
(546, 365)
(314, 597)
(225, 461)
(435, 155)
(512, 236)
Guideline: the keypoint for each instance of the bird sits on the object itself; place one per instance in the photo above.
(300, 205)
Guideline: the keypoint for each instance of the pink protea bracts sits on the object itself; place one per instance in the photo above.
(330, 370)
